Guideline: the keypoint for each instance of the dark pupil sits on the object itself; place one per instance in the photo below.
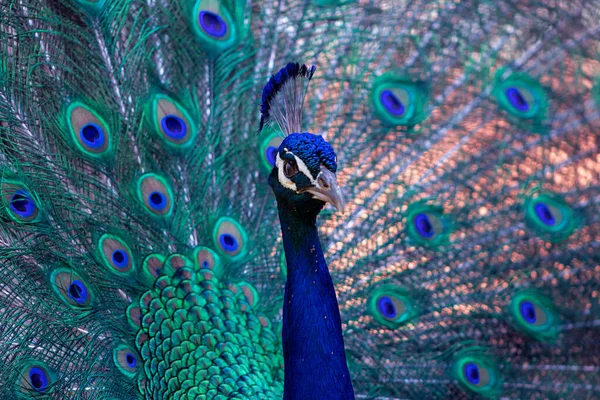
(530, 312)
(205, 264)
(173, 124)
(36, 380)
(474, 374)
(155, 198)
(118, 256)
(546, 213)
(213, 23)
(393, 102)
(75, 291)
(228, 240)
(423, 224)
(130, 359)
(517, 99)
(290, 168)
(388, 308)
(90, 133)
(19, 202)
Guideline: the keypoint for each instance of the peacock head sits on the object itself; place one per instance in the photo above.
(303, 178)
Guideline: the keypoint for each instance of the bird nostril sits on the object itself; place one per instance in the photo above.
(323, 183)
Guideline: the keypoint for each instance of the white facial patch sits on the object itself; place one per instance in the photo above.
(302, 168)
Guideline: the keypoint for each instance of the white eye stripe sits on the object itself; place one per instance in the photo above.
(284, 180)
(304, 169)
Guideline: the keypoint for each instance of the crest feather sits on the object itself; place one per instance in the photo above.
(283, 97)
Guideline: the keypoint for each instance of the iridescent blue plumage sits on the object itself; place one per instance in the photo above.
(312, 149)
(303, 179)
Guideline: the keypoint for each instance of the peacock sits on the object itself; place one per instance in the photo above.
(167, 187)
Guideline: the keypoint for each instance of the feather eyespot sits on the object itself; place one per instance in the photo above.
(171, 122)
(230, 238)
(156, 194)
(269, 148)
(550, 217)
(387, 307)
(89, 131)
(399, 100)
(477, 372)
(126, 360)
(217, 24)
(290, 168)
(206, 258)
(522, 97)
(428, 225)
(534, 314)
(115, 253)
(21, 205)
(152, 265)
(391, 305)
(249, 293)
(71, 288)
(35, 378)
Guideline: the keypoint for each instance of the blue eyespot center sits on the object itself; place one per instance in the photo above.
(472, 373)
(92, 135)
(130, 360)
(424, 226)
(386, 306)
(78, 292)
(38, 379)
(157, 200)
(228, 242)
(205, 264)
(120, 258)
(391, 103)
(21, 204)
(516, 99)
(173, 126)
(528, 312)
(544, 214)
(271, 154)
(212, 24)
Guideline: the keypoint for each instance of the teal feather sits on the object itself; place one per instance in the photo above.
(495, 154)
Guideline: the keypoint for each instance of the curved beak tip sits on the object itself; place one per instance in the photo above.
(327, 190)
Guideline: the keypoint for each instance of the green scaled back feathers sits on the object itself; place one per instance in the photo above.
(140, 249)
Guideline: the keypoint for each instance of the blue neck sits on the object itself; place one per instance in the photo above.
(313, 347)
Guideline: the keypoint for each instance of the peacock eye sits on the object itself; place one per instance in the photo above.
(290, 168)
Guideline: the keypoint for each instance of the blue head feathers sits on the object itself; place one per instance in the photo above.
(312, 149)
(282, 101)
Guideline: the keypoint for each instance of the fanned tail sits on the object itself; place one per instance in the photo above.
(140, 254)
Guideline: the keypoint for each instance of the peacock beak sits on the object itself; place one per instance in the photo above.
(327, 189)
